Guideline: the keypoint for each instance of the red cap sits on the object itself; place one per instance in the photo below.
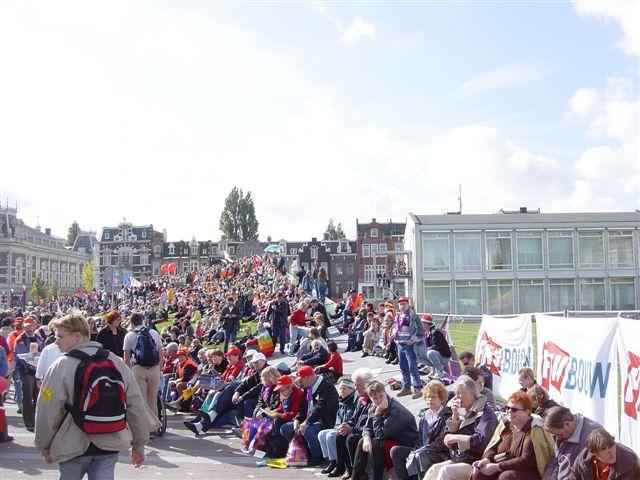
(283, 381)
(427, 317)
(305, 371)
(403, 299)
(183, 351)
(234, 351)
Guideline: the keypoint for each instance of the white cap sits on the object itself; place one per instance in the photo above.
(257, 356)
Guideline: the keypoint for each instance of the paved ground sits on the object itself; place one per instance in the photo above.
(178, 453)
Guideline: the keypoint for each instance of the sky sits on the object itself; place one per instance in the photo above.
(154, 110)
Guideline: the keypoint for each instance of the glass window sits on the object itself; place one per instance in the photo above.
(366, 250)
(623, 295)
(467, 250)
(529, 247)
(468, 298)
(144, 234)
(144, 259)
(314, 253)
(374, 232)
(399, 247)
(437, 297)
(338, 288)
(338, 269)
(560, 246)
(499, 251)
(106, 235)
(350, 268)
(590, 249)
(592, 294)
(435, 251)
(621, 249)
(499, 297)
(382, 248)
(531, 296)
(562, 295)
(374, 249)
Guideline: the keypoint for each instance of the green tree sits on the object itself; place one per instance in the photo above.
(54, 290)
(87, 276)
(74, 229)
(38, 289)
(335, 233)
(238, 218)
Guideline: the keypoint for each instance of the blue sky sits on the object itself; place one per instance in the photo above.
(321, 109)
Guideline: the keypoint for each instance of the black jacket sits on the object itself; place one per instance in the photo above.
(113, 343)
(325, 406)
(625, 468)
(315, 358)
(360, 416)
(272, 401)
(397, 423)
(438, 341)
(251, 386)
(346, 407)
(232, 322)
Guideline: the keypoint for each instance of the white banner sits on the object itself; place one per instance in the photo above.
(505, 346)
(577, 364)
(629, 354)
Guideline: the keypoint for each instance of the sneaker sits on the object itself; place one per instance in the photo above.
(338, 471)
(417, 393)
(364, 354)
(193, 427)
(329, 468)
(404, 392)
(395, 362)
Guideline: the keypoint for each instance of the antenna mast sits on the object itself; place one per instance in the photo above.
(460, 198)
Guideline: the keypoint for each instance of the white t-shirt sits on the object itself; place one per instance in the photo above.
(48, 356)
(131, 339)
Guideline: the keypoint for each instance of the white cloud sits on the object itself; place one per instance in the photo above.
(626, 13)
(583, 103)
(358, 30)
(351, 34)
(503, 77)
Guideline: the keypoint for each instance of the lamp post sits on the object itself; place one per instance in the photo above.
(24, 297)
(11, 298)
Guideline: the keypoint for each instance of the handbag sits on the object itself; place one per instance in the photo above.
(297, 455)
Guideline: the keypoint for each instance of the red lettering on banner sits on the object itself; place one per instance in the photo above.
(631, 393)
(490, 354)
(554, 366)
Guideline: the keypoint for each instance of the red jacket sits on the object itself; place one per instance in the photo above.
(233, 371)
(335, 361)
(298, 318)
(294, 403)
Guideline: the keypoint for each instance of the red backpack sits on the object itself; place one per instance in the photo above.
(99, 398)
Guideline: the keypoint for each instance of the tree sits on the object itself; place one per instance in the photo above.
(87, 276)
(74, 230)
(335, 233)
(38, 289)
(54, 290)
(238, 218)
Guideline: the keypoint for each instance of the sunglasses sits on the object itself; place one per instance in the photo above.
(512, 409)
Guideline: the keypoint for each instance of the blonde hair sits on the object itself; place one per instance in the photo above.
(74, 322)
(271, 373)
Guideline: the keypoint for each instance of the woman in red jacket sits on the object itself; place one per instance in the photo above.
(333, 368)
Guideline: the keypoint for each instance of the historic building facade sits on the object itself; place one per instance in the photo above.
(27, 251)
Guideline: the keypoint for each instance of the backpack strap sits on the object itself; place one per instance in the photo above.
(102, 353)
(79, 354)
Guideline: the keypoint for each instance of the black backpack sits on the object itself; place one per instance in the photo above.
(146, 352)
(99, 397)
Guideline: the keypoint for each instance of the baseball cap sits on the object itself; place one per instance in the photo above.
(183, 351)
(403, 299)
(257, 356)
(305, 371)
(427, 318)
(283, 381)
(233, 351)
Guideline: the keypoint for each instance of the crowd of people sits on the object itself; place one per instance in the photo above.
(201, 342)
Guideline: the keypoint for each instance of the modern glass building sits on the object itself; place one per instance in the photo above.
(524, 262)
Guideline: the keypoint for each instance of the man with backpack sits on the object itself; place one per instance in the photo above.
(80, 415)
(143, 354)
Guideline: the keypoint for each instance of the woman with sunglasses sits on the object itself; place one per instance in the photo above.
(520, 447)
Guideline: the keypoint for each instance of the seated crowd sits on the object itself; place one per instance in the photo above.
(226, 322)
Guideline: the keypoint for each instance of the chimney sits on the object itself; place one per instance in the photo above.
(373, 220)
(314, 239)
(47, 231)
(523, 209)
(325, 236)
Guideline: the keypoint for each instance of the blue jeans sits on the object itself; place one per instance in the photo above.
(322, 292)
(279, 335)
(229, 337)
(435, 360)
(310, 436)
(295, 333)
(328, 443)
(17, 387)
(347, 317)
(96, 467)
(408, 366)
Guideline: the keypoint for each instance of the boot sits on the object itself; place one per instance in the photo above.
(329, 468)
(404, 392)
(417, 393)
(338, 471)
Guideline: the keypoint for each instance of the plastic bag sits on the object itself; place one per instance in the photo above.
(265, 343)
(297, 455)
(249, 426)
(261, 437)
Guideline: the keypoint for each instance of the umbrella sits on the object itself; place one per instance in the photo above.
(272, 249)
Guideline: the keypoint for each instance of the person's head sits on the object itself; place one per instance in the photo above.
(316, 345)
(427, 321)
(602, 445)
(29, 325)
(345, 386)
(477, 376)
(233, 355)
(202, 355)
(136, 320)
(403, 304)
(285, 385)
(361, 377)
(466, 391)
(306, 376)
(314, 333)
(230, 300)
(172, 348)
(217, 356)
(538, 395)
(70, 330)
(113, 318)
(519, 407)
(182, 339)
(209, 355)
(183, 355)
(376, 392)
(467, 359)
(269, 376)
(560, 423)
(434, 394)
(258, 361)
(332, 346)
(319, 319)
(526, 377)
